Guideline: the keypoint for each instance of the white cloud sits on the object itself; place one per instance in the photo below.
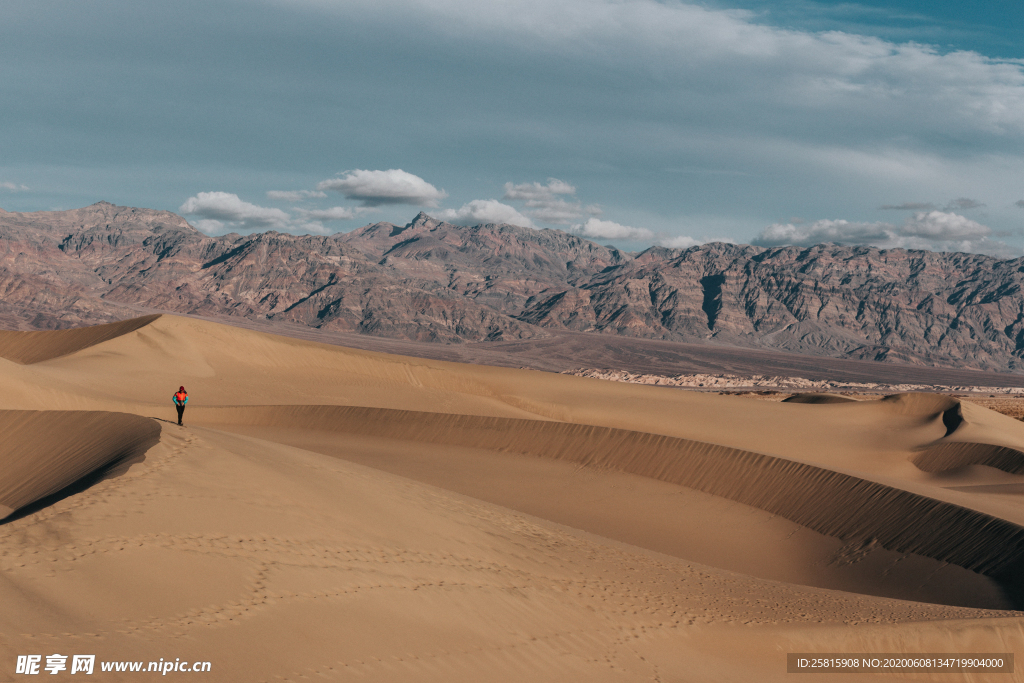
(295, 195)
(377, 188)
(933, 230)
(599, 229)
(225, 206)
(942, 226)
(223, 211)
(485, 211)
(839, 231)
(210, 226)
(13, 187)
(335, 213)
(544, 201)
(685, 241)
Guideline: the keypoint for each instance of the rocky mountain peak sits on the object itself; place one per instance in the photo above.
(423, 222)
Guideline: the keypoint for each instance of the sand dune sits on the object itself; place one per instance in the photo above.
(42, 452)
(342, 514)
(33, 347)
(229, 366)
(828, 502)
(278, 564)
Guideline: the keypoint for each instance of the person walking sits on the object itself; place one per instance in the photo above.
(180, 399)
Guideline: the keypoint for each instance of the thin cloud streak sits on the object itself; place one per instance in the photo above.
(335, 213)
(909, 206)
(295, 195)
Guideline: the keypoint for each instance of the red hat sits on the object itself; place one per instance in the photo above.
(181, 388)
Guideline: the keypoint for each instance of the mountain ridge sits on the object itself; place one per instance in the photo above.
(435, 281)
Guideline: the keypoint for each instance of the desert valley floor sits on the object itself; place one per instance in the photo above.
(327, 513)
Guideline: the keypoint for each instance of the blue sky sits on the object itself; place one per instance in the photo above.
(634, 122)
(991, 28)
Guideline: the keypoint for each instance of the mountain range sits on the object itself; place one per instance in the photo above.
(435, 281)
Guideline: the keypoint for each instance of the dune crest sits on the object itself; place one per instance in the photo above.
(27, 348)
(919, 402)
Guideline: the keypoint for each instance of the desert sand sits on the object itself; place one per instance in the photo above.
(327, 513)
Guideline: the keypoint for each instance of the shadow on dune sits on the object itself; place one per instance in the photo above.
(949, 457)
(819, 399)
(112, 470)
(46, 456)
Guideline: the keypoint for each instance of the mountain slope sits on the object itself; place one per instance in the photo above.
(435, 281)
(854, 302)
(501, 266)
